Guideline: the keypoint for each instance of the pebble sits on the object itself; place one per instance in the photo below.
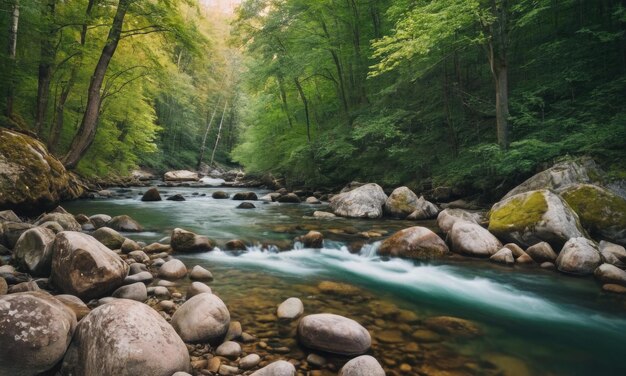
(228, 349)
(249, 361)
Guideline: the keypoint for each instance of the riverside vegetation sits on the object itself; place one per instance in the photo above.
(506, 118)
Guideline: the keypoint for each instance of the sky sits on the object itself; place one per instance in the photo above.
(226, 6)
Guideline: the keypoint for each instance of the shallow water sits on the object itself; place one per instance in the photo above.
(532, 321)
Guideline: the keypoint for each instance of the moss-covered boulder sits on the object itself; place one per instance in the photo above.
(601, 212)
(31, 179)
(414, 243)
(401, 203)
(532, 217)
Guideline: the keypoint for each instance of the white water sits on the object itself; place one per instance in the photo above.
(422, 282)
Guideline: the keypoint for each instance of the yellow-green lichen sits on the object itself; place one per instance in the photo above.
(518, 213)
(596, 207)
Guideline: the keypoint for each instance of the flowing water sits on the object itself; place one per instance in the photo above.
(531, 321)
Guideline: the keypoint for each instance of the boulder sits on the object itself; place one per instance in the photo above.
(124, 223)
(558, 176)
(12, 232)
(109, 237)
(312, 200)
(135, 291)
(334, 334)
(448, 217)
(542, 252)
(129, 245)
(364, 365)
(134, 339)
(196, 288)
(579, 256)
(241, 196)
(414, 243)
(100, 220)
(35, 330)
(601, 212)
(532, 217)
(246, 205)
(473, 240)
(607, 273)
(67, 221)
(173, 269)
(366, 201)
(290, 309)
(312, 239)
(84, 267)
(180, 175)
(425, 210)
(31, 179)
(176, 197)
(151, 194)
(613, 254)
(198, 273)
(220, 195)
(400, 203)
(289, 198)
(76, 305)
(203, 318)
(33, 251)
(186, 241)
(503, 256)
(278, 368)
(235, 245)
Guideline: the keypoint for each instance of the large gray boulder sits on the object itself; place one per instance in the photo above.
(415, 243)
(424, 210)
(448, 217)
(84, 267)
(334, 334)
(278, 368)
(579, 256)
(473, 240)
(125, 338)
(67, 221)
(532, 217)
(109, 237)
(203, 318)
(364, 365)
(186, 241)
(366, 201)
(559, 176)
(33, 251)
(35, 330)
(401, 203)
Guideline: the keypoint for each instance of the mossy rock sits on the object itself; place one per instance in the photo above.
(31, 179)
(601, 212)
(532, 217)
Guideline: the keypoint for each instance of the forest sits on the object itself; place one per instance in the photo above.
(475, 94)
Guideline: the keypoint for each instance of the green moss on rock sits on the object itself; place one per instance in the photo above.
(518, 213)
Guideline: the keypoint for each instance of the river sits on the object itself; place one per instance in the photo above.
(531, 321)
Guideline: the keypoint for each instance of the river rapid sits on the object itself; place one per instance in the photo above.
(529, 321)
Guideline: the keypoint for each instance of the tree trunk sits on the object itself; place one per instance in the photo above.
(206, 133)
(45, 65)
(87, 131)
(57, 125)
(306, 108)
(15, 17)
(219, 133)
(502, 104)
(498, 46)
(283, 97)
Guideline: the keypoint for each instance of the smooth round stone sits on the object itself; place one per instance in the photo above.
(137, 291)
(173, 269)
(203, 318)
(161, 292)
(229, 349)
(197, 288)
(249, 361)
(228, 370)
(166, 283)
(198, 273)
(290, 309)
(334, 334)
(278, 368)
(145, 277)
(363, 365)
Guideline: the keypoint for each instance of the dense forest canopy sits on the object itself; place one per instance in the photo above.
(470, 93)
